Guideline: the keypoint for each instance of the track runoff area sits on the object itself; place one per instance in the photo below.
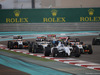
(88, 61)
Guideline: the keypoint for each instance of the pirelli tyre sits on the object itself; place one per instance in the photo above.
(77, 51)
(90, 49)
(54, 52)
(34, 49)
(30, 48)
(47, 51)
(10, 44)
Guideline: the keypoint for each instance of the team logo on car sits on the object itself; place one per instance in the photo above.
(91, 12)
(54, 12)
(17, 13)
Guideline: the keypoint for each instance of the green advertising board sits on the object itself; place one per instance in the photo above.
(50, 15)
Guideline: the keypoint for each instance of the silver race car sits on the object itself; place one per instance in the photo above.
(39, 45)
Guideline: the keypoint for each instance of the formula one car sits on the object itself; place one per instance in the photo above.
(42, 38)
(76, 41)
(96, 41)
(17, 37)
(62, 50)
(18, 44)
(51, 35)
(64, 38)
(57, 39)
(39, 45)
(83, 47)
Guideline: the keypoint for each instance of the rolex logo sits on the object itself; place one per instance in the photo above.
(91, 12)
(54, 12)
(17, 13)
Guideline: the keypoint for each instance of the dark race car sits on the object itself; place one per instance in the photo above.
(84, 48)
(96, 41)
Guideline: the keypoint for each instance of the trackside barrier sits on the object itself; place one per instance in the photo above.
(60, 15)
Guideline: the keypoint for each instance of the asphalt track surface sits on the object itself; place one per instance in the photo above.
(87, 40)
(95, 57)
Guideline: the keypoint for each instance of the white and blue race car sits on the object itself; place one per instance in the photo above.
(62, 50)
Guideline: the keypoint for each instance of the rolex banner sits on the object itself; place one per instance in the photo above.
(50, 15)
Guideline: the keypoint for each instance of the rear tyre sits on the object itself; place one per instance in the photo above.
(77, 52)
(10, 44)
(54, 52)
(90, 49)
(82, 51)
(34, 47)
(47, 51)
(30, 48)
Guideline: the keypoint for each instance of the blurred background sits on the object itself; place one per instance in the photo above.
(37, 14)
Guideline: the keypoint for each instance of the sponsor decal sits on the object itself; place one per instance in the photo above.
(54, 17)
(90, 18)
(17, 19)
